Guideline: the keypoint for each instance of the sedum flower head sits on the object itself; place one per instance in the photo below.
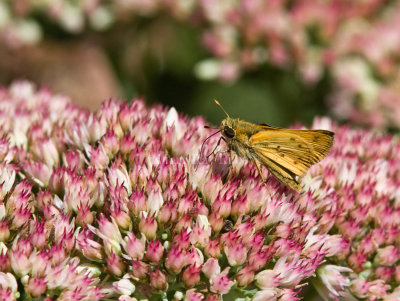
(122, 206)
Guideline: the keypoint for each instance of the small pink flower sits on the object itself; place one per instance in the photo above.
(387, 256)
(266, 295)
(240, 206)
(148, 226)
(154, 201)
(220, 283)
(212, 297)
(154, 251)
(158, 280)
(367, 245)
(57, 254)
(236, 254)
(36, 287)
(5, 263)
(118, 175)
(361, 288)
(384, 273)
(121, 217)
(133, 246)
(216, 221)
(21, 216)
(222, 205)
(39, 262)
(137, 202)
(200, 234)
(90, 248)
(182, 239)
(356, 261)
(259, 221)
(8, 286)
(127, 145)
(211, 268)
(245, 231)
(39, 237)
(176, 259)
(73, 159)
(331, 245)
(19, 262)
(378, 288)
(245, 276)
(4, 147)
(110, 143)
(191, 275)
(98, 158)
(109, 232)
(7, 178)
(286, 272)
(6, 295)
(140, 269)
(124, 286)
(185, 222)
(212, 249)
(258, 258)
(267, 279)
(212, 188)
(4, 230)
(334, 281)
(191, 295)
(115, 264)
(46, 150)
(84, 215)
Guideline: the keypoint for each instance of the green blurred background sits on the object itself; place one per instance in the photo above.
(268, 95)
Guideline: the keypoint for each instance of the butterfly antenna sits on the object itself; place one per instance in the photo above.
(218, 104)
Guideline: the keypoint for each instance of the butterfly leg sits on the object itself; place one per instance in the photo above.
(218, 143)
(230, 173)
(231, 166)
(259, 170)
(262, 177)
(214, 161)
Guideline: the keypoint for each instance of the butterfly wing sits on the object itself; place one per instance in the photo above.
(288, 154)
(319, 141)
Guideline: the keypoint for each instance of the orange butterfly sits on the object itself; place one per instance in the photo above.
(286, 153)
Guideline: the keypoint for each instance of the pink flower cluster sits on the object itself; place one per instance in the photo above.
(115, 204)
(356, 193)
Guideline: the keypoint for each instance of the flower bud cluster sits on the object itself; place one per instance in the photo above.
(122, 204)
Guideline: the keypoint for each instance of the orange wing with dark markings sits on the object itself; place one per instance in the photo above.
(288, 154)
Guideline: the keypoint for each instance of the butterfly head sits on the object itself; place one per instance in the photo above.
(228, 128)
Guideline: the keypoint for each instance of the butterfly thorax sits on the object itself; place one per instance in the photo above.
(237, 134)
(234, 128)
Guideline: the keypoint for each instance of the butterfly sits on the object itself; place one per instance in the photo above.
(286, 153)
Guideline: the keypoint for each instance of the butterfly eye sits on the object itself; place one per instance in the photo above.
(229, 132)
